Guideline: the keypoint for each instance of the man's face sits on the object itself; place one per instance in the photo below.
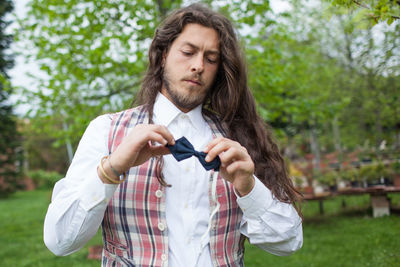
(190, 66)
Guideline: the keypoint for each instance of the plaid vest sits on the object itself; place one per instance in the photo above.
(134, 224)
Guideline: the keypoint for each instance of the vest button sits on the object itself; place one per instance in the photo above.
(159, 193)
(163, 257)
(161, 226)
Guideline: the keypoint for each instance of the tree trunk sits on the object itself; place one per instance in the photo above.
(378, 128)
(336, 138)
(315, 148)
(68, 144)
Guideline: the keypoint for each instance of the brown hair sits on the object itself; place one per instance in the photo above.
(230, 97)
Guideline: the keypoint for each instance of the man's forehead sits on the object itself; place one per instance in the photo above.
(198, 36)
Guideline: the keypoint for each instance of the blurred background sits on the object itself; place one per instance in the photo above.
(325, 75)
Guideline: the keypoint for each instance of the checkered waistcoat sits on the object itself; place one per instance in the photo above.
(134, 224)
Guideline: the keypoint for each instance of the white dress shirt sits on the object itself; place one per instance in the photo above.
(79, 200)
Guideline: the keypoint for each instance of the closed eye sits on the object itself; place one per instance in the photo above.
(212, 61)
(187, 53)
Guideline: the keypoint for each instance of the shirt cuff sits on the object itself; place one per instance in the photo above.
(255, 203)
(95, 192)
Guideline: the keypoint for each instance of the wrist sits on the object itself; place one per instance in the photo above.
(115, 166)
(244, 188)
(108, 174)
(102, 177)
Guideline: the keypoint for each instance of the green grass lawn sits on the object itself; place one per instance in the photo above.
(341, 237)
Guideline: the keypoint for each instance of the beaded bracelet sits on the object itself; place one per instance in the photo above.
(108, 178)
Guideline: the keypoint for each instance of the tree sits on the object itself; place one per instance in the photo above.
(8, 130)
(371, 10)
(94, 54)
(332, 82)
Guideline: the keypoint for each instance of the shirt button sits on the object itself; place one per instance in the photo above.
(163, 257)
(161, 226)
(159, 193)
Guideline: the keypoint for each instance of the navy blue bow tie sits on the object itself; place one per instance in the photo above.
(183, 149)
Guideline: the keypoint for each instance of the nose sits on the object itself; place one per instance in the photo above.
(198, 64)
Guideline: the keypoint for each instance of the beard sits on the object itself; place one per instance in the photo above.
(181, 99)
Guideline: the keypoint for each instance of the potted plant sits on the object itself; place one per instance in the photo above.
(374, 174)
(298, 182)
(383, 173)
(328, 179)
(367, 173)
(352, 176)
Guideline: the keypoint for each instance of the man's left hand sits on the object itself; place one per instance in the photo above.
(237, 166)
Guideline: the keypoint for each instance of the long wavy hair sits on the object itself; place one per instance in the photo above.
(230, 98)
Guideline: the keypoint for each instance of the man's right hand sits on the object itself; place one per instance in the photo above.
(138, 146)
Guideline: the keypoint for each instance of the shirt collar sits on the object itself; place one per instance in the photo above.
(165, 112)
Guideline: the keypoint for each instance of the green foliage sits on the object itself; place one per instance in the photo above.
(44, 179)
(395, 166)
(393, 170)
(42, 149)
(370, 11)
(367, 172)
(328, 178)
(374, 171)
(353, 74)
(309, 75)
(9, 138)
(350, 175)
(93, 55)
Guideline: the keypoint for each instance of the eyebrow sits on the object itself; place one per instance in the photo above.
(214, 52)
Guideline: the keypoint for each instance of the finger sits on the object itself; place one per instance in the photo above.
(217, 150)
(230, 155)
(165, 133)
(242, 166)
(221, 147)
(212, 144)
(156, 137)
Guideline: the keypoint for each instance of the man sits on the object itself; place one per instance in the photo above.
(156, 211)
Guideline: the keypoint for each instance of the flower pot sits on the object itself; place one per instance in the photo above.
(333, 188)
(308, 190)
(396, 180)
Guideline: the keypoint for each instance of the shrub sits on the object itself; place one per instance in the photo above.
(395, 167)
(373, 172)
(328, 178)
(350, 175)
(44, 179)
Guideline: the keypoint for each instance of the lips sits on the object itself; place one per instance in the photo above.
(195, 82)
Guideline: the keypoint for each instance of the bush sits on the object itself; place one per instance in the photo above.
(44, 179)
(372, 173)
(329, 178)
(395, 167)
(350, 175)
(368, 173)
